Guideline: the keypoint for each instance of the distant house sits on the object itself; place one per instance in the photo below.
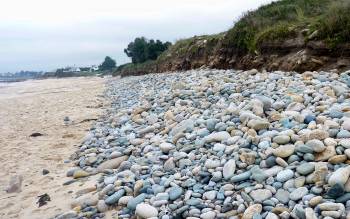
(71, 69)
(93, 68)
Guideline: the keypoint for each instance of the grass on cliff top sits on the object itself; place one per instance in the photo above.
(191, 45)
(284, 19)
(132, 67)
(334, 25)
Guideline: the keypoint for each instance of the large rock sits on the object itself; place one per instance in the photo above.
(165, 147)
(85, 200)
(146, 211)
(217, 137)
(345, 143)
(306, 168)
(281, 139)
(251, 211)
(326, 154)
(229, 169)
(258, 124)
(285, 175)
(298, 193)
(112, 164)
(284, 150)
(261, 195)
(80, 173)
(340, 176)
(175, 193)
(132, 203)
(184, 126)
(316, 145)
(208, 215)
(113, 199)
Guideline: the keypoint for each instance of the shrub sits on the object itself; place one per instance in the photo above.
(107, 64)
(334, 25)
(141, 49)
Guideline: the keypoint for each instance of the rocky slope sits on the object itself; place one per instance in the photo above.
(220, 144)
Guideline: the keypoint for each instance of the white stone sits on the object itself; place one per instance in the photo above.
(298, 193)
(165, 147)
(208, 215)
(217, 137)
(146, 211)
(261, 195)
(229, 169)
(251, 210)
(340, 176)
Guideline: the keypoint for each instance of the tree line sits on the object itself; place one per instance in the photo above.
(140, 50)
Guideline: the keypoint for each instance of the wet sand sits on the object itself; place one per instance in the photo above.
(41, 106)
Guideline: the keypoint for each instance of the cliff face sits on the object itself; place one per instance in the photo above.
(289, 55)
(289, 35)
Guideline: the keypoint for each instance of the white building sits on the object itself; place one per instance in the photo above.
(93, 68)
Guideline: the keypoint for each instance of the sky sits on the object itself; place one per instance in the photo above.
(43, 35)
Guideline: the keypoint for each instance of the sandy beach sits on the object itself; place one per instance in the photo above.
(40, 107)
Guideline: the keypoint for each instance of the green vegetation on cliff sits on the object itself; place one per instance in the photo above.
(285, 19)
(142, 49)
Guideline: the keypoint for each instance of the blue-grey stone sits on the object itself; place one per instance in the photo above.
(135, 201)
(157, 189)
(343, 134)
(336, 191)
(298, 193)
(193, 201)
(257, 216)
(306, 168)
(182, 209)
(243, 185)
(241, 177)
(309, 118)
(282, 196)
(292, 158)
(175, 193)
(246, 197)
(333, 132)
(203, 132)
(344, 198)
(198, 188)
(304, 149)
(309, 157)
(269, 203)
(258, 174)
(299, 211)
(285, 175)
(345, 77)
(211, 124)
(277, 185)
(336, 114)
(264, 144)
(189, 183)
(270, 161)
(115, 197)
(267, 101)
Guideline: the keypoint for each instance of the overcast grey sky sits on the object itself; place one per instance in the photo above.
(47, 34)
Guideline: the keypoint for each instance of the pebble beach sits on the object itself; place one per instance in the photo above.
(218, 144)
(199, 144)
